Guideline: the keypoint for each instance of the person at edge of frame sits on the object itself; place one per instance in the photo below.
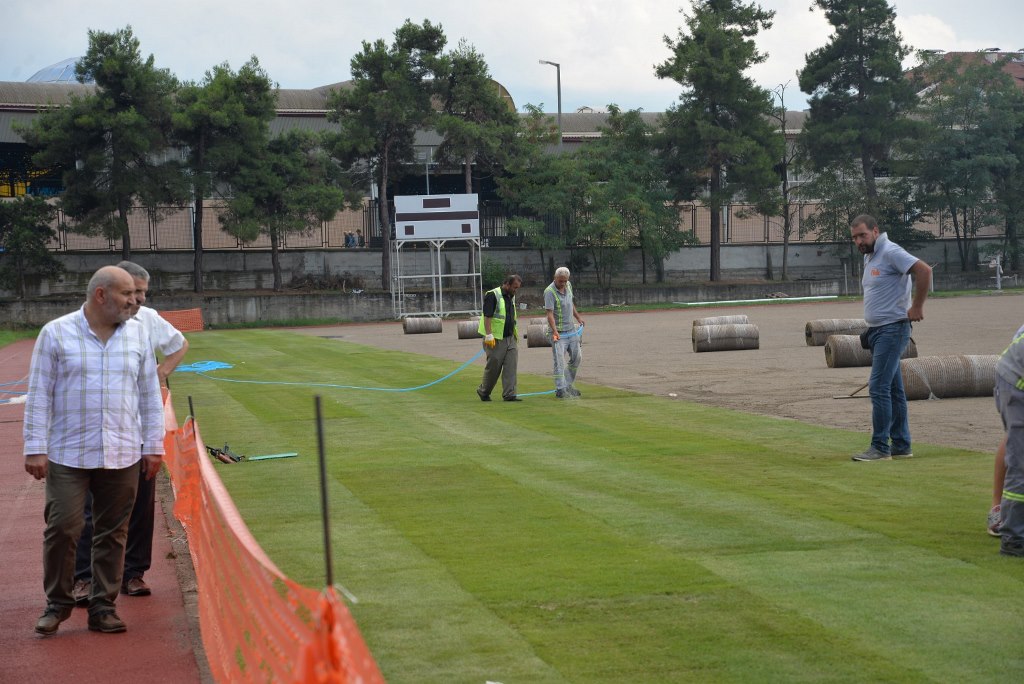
(1009, 395)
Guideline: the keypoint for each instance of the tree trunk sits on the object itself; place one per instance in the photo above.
(385, 230)
(870, 186)
(275, 260)
(126, 238)
(468, 174)
(197, 246)
(716, 224)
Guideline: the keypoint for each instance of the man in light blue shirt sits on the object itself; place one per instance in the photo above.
(889, 309)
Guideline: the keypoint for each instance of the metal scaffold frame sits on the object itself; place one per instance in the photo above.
(402, 274)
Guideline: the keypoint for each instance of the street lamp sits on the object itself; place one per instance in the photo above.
(558, 76)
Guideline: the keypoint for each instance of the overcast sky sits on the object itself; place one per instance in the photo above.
(607, 48)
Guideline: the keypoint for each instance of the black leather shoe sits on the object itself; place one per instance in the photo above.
(483, 397)
(51, 618)
(106, 622)
(511, 398)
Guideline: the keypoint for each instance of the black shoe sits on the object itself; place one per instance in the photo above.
(511, 399)
(559, 394)
(483, 397)
(106, 622)
(51, 618)
(573, 392)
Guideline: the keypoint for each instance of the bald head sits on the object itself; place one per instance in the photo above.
(110, 296)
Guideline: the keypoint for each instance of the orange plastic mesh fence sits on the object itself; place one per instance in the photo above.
(256, 624)
(185, 320)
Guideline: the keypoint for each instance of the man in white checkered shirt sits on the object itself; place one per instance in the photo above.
(138, 553)
(93, 399)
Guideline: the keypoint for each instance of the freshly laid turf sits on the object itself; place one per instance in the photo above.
(617, 538)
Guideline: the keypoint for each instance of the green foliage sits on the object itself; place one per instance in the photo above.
(289, 186)
(221, 122)
(390, 98)
(966, 145)
(703, 544)
(859, 97)
(111, 145)
(720, 125)
(25, 234)
(478, 125)
(493, 273)
(1008, 184)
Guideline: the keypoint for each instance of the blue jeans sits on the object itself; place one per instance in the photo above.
(889, 419)
(565, 375)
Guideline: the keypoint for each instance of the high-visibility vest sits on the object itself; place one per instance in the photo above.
(559, 314)
(498, 321)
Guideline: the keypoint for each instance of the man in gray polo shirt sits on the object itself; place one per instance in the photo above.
(565, 337)
(889, 310)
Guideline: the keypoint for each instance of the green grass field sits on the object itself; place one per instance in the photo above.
(618, 538)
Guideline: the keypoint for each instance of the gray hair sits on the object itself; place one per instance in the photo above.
(562, 271)
(134, 270)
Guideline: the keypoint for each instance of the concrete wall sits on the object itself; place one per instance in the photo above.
(251, 270)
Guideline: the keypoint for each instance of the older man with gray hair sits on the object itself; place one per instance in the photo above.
(565, 336)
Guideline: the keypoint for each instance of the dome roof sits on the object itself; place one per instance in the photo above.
(61, 72)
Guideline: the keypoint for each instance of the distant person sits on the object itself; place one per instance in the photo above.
(93, 420)
(565, 341)
(889, 311)
(359, 239)
(1009, 395)
(138, 557)
(498, 328)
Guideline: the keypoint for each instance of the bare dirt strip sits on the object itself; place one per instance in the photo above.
(651, 352)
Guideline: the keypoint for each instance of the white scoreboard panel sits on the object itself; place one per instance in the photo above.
(436, 217)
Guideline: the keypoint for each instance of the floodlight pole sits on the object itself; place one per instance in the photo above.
(325, 521)
(558, 80)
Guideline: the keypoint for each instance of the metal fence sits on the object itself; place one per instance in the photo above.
(170, 229)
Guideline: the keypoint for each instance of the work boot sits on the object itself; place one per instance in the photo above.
(51, 618)
(81, 592)
(106, 622)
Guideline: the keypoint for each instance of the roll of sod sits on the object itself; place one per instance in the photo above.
(469, 330)
(417, 326)
(946, 377)
(844, 351)
(816, 332)
(537, 336)
(537, 321)
(732, 337)
(737, 319)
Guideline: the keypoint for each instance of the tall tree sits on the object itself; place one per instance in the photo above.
(390, 99)
(25, 234)
(789, 164)
(630, 192)
(113, 145)
(220, 122)
(720, 125)
(476, 123)
(859, 96)
(290, 186)
(966, 143)
(534, 184)
(1008, 181)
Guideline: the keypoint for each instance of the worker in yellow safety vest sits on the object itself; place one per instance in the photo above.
(498, 328)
